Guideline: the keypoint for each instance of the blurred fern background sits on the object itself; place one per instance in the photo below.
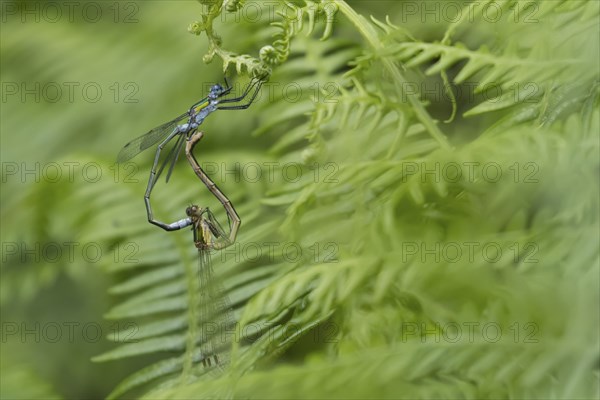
(434, 170)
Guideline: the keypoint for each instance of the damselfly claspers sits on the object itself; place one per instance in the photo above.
(183, 127)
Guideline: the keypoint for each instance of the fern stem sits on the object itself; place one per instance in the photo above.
(367, 31)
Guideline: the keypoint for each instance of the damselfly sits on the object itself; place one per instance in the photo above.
(215, 315)
(182, 127)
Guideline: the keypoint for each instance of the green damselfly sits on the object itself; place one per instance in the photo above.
(215, 315)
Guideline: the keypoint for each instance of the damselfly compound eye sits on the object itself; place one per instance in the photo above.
(217, 89)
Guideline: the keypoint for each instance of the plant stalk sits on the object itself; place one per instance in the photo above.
(367, 31)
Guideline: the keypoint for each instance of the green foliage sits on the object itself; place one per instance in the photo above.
(22, 382)
(292, 23)
(376, 317)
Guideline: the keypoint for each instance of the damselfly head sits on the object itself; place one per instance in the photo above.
(216, 91)
(192, 211)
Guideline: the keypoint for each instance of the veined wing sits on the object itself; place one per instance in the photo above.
(148, 139)
(216, 318)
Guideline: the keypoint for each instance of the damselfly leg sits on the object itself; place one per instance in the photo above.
(256, 85)
(152, 181)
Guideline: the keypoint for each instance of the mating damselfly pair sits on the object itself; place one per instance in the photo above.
(208, 233)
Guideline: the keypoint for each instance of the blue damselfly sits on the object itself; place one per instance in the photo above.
(183, 127)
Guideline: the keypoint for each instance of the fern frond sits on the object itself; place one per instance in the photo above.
(293, 18)
(520, 13)
(156, 310)
(285, 116)
(411, 247)
(413, 372)
(519, 79)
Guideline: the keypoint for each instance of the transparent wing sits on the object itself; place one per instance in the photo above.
(141, 143)
(216, 317)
